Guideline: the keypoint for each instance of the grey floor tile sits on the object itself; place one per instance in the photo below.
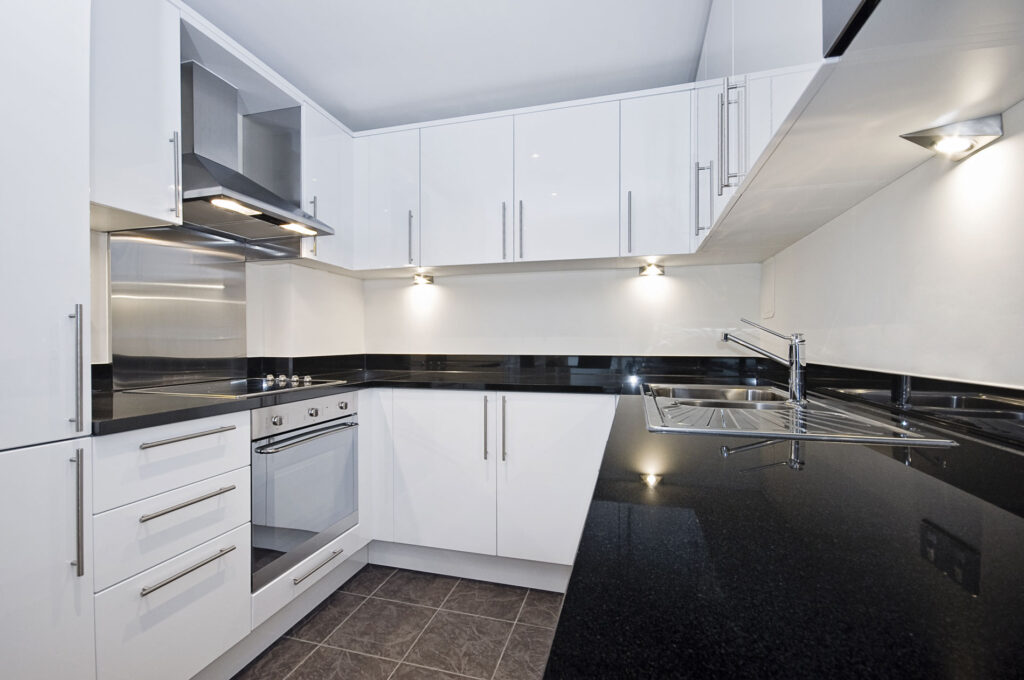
(327, 663)
(382, 628)
(407, 672)
(486, 599)
(321, 622)
(469, 645)
(277, 662)
(367, 579)
(417, 587)
(541, 608)
(526, 654)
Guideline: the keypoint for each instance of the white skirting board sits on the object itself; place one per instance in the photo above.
(525, 573)
(236, 658)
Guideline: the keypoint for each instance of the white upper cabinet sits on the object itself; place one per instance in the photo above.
(770, 98)
(567, 183)
(656, 184)
(387, 200)
(323, 154)
(466, 192)
(45, 341)
(708, 193)
(136, 114)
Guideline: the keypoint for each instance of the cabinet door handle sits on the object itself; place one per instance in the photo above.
(185, 572)
(185, 504)
(315, 206)
(729, 175)
(629, 221)
(697, 168)
(504, 447)
(520, 229)
(79, 562)
(185, 437)
(723, 142)
(485, 427)
(176, 141)
(504, 252)
(297, 581)
(410, 237)
(78, 420)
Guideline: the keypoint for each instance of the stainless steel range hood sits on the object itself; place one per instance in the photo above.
(216, 194)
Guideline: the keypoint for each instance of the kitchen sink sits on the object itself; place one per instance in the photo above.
(720, 396)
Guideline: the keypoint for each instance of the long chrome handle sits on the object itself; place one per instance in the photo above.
(299, 440)
(79, 418)
(79, 562)
(629, 221)
(711, 193)
(185, 504)
(504, 251)
(185, 572)
(504, 447)
(766, 330)
(723, 142)
(410, 237)
(315, 205)
(740, 161)
(520, 229)
(297, 581)
(176, 141)
(185, 437)
(697, 168)
(485, 427)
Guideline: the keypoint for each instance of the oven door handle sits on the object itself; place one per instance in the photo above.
(292, 442)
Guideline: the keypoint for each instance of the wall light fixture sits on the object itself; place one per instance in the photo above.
(959, 140)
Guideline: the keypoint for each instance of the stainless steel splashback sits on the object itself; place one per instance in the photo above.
(177, 307)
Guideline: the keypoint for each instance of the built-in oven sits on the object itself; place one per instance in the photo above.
(305, 490)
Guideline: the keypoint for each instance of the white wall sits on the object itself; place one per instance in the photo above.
(576, 312)
(925, 277)
(294, 311)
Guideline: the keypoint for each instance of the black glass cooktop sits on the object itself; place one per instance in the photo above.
(242, 388)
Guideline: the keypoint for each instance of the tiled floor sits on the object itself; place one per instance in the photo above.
(408, 625)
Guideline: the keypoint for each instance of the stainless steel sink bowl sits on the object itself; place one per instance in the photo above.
(720, 396)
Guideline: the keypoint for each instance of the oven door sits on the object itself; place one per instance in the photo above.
(304, 495)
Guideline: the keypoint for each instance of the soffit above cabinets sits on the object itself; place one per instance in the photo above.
(915, 64)
(393, 62)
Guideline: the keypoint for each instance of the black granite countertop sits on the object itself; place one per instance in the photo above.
(871, 561)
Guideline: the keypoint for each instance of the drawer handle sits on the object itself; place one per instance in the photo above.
(297, 581)
(186, 437)
(179, 506)
(185, 572)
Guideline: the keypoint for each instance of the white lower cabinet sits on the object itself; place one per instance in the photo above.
(508, 474)
(47, 627)
(171, 621)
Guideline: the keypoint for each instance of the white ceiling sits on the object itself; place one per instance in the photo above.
(377, 63)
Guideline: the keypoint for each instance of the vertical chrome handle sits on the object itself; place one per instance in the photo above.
(740, 155)
(485, 427)
(697, 168)
(410, 237)
(79, 361)
(520, 229)
(504, 252)
(504, 448)
(176, 141)
(79, 562)
(723, 141)
(315, 206)
(629, 221)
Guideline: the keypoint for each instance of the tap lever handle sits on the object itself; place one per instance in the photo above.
(767, 330)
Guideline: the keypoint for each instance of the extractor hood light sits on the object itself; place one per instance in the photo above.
(422, 279)
(299, 229)
(959, 140)
(652, 270)
(234, 206)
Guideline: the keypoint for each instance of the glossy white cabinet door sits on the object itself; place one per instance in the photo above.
(47, 626)
(45, 191)
(567, 183)
(466, 192)
(707, 165)
(551, 449)
(445, 458)
(657, 174)
(322, 175)
(387, 200)
(136, 110)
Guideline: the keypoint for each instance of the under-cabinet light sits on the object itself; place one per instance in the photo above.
(650, 479)
(234, 206)
(299, 229)
(959, 140)
(422, 279)
(652, 270)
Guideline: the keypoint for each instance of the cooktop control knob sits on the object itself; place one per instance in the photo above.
(306, 379)
(277, 421)
(269, 378)
(343, 405)
(295, 379)
(282, 378)
(314, 412)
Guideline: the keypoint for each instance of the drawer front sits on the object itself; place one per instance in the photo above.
(176, 629)
(136, 537)
(130, 466)
(271, 598)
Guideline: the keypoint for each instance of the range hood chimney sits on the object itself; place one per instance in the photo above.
(216, 194)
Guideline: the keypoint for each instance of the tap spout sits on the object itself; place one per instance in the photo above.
(754, 348)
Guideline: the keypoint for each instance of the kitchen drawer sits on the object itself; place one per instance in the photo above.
(126, 545)
(130, 466)
(271, 598)
(177, 630)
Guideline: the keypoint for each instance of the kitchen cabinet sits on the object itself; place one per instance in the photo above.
(770, 97)
(135, 113)
(507, 474)
(47, 629)
(324, 146)
(387, 200)
(712, 153)
(656, 175)
(567, 183)
(466, 192)
(45, 339)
